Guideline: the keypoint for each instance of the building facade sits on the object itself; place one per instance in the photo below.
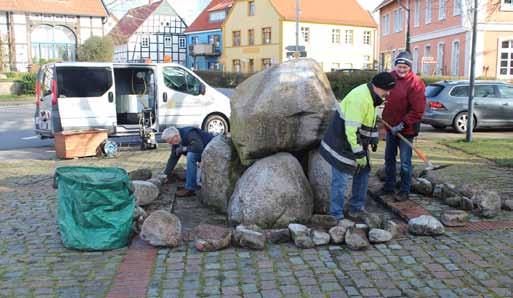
(441, 35)
(151, 32)
(260, 33)
(204, 36)
(32, 32)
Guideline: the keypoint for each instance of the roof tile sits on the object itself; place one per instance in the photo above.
(202, 21)
(65, 7)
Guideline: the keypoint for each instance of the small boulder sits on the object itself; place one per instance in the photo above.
(139, 217)
(301, 235)
(379, 236)
(356, 239)
(422, 186)
(140, 174)
(156, 181)
(278, 235)
(455, 202)
(320, 237)
(211, 237)
(162, 228)
(145, 192)
(250, 236)
(507, 205)
(488, 203)
(363, 227)
(346, 223)
(425, 225)
(338, 234)
(466, 203)
(321, 220)
(454, 218)
(374, 220)
(433, 178)
(162, 178)
(392, 227)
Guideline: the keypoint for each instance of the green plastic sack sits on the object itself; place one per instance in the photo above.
(96, 207)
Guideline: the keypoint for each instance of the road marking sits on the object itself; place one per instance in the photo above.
(16, 107)
(30, 138)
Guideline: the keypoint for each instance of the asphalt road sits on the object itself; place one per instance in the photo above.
(16, 129)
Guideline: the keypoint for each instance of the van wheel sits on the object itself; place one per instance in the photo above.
(460, 122)
(215, 124)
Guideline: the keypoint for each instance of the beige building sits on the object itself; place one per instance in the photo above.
(338, 34)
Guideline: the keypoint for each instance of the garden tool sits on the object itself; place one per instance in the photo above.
(420, 153)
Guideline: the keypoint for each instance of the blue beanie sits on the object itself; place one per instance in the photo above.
(404, 58)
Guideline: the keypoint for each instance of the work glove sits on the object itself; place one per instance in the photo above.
(399, 127)
(361, 162)
(180, 150)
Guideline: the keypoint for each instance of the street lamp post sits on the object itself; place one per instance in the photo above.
(470, 115)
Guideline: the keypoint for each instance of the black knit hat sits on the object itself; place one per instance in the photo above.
(404, 58)
(383, 80)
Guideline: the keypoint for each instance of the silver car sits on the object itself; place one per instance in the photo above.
(447, 105)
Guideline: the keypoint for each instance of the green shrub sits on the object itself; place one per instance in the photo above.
(343, 82)
(28, 83)
(96, 49)
(221, 79)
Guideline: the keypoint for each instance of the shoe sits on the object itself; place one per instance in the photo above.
(401, 197)
(358, 215)
(182, 193)
(385, 192)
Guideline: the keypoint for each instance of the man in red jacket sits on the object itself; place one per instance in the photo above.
(403, 111)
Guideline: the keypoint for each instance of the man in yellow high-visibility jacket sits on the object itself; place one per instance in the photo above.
(345, 144)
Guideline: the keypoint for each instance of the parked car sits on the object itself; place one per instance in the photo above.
(447, 105)
(83, 96)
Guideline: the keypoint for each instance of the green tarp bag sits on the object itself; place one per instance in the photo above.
(95, 207)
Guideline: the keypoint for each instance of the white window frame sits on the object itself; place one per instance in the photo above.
(216, 16)
(455, 58)
(335, 36)
(349, 33)
(182, 43)
(416, 13)
(145, 41)
(366, 37)
(441, 9)
(426, 67)
(168, 41)
(398, 20)
(440, 54)
(305, 34)
(415, 65)
(507, 6)
(456, 10)
(429, 11)
(386, 24)
(509, 59)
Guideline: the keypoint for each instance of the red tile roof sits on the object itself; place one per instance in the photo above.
(383, 4)
(201, 23)
(131, 21)
(346, 12)
(92, 8)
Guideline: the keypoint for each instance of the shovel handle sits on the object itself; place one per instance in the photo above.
(419, 152)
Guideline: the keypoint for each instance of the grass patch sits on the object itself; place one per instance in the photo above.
(10, 97)
(499, 151)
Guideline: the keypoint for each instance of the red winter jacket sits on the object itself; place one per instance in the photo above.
(406, 103)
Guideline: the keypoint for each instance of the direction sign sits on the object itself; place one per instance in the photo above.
(293, 48)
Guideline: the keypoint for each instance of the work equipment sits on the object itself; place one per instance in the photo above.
(146, 132)
(420, 153)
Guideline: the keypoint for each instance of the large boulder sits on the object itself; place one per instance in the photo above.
(211, 238)
(220, 170)
(140, 174)
(162, 228)
(319, 175)
(273, 192)
(425, 225)
(282, 109)
(145, 192)
(488, 202)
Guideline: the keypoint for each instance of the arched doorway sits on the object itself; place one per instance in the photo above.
(53, 43)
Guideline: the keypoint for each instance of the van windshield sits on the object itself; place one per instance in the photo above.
(83, 81)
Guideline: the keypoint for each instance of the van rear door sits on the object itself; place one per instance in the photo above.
(86, 96)
(45, 120)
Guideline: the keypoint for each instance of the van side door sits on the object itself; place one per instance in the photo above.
(44, 125)
(506, 94)
(181, 97)
(86, 96)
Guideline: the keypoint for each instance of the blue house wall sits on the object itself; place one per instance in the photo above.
(203, 62)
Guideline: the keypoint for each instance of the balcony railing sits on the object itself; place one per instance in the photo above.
(205, 49)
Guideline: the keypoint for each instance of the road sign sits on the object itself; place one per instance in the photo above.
(295, 54)
(293, 48)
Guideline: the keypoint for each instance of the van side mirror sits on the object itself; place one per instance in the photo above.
(164, 97)
(111, 97)
(202, 89)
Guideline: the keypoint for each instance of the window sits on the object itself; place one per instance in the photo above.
(251, 8)
(440, 59)
(178, 79)
(455, 59)
(181, 42)
(236, 38)
(266, 63)
(236, 65)
(485, 91)
(441, 9)
(335, 36)
(216, 16)
(433, 90)
(266, 35)
(460, 91)
(214, 39)
(145, 41)
(427, 53)
(195, 40)
(367, 37)
(386, 24)
(349, 37)
(456, 11)
(507, 5)
(429, 10)
(214, 66)
(398, 20)
(251, 37)
(167, 41)
(416, 13)
(506, 58)
(335, 66)
(71, 83)
(506, 91)
(305, 33)
(251, 65)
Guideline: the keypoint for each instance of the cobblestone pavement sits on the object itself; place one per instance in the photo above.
(33, 262)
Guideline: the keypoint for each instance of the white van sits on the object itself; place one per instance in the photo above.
(83, 96)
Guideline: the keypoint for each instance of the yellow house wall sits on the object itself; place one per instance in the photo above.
(497, 13)
(238, 20)
(492, 40)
